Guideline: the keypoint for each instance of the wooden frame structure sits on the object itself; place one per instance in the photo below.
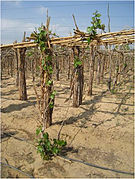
(80, 39)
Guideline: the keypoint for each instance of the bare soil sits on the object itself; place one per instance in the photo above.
(99, 132)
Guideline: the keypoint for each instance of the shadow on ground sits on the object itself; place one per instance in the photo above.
(87, 113)
(17, 107)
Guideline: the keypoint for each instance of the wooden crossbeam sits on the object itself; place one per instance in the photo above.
(81, 37)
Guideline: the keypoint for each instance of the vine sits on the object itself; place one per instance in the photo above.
(96, 24)
(42, 39)
(48, 147)
(45, 146)
(77, 62)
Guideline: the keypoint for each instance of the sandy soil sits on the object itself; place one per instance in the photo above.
(99, 132)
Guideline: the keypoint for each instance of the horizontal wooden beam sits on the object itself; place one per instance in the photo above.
(14, 45)
(81, 37)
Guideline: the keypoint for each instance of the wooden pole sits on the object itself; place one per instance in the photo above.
(110, 72)
(78, 80)
(109, 28)
(22, 79)
(57, 68)
(17, 68)
(103, 67)
(99, 59)
(92, 62)
(68, 73)
(11, 67)
(46, 99)
(46, 91)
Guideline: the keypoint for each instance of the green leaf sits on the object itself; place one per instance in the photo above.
(99, 26)
(50, 69)
(33, 34)
(95, 13)
(46, 135)
(93, 32)
(54, 34)
(45, 68)
(55, 141)
(48, 58)
(53, 95)
(44, 33)
(39, 141)
(89, 40)
(40, 28)
(93, 18)
(89, 29)
(42, 155)
(54, 92)
(99, 21)
(43, 49)
(40, 148)
(40, 37)
(113, 91)
(43, 62)
(51, 105)
(103, 27)
(55, 150)
(98, 15)
(42, 44)
(49, 82)
(36, 41)
(96, 24)
(38, 130)
(48, 143)
(78, 63)
(61, 143)
(116, 46)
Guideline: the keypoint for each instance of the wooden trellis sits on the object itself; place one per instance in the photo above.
(79, 40)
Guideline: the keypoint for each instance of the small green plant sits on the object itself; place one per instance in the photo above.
(113, 91)
(77, 62)
(30, 53)
(48, 147)
(96, 24)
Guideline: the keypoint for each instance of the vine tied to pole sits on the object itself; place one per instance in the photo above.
(46, 146)
(46, 103)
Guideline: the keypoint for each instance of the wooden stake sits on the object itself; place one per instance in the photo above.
(22, 79)
(75, 22)
(91, 77)
(77, 80)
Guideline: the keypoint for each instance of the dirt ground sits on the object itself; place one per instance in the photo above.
(99, 132)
